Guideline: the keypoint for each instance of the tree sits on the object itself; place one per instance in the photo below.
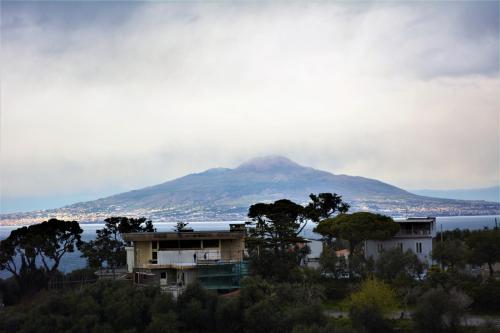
(54, 239)
(274, 242)
(369, 305)
(180, 226)
(399, 269)
(108, 246)
(325, 205)
(331, 263)
(394, 263)
(450, 253)
(438, 311)
(484, 246)
(277, 225)
(44, 243)
(357, 228)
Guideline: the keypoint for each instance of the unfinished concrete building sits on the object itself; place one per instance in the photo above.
(173, 260)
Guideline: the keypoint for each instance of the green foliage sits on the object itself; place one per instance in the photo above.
(394, 263)
(375, 294)
(450, 253)
(325, 205)
(486, 296)
(484, 246)
(331, 264)
(33, 254)
(196, 308)
(358, 227)
(113, 306)
(277, 225)
(368, 306)
(455, 234)
(273, 243)
(439, 311)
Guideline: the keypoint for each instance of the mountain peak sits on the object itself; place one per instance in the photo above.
(268, 163)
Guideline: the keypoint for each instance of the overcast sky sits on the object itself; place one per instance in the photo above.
(102, 97)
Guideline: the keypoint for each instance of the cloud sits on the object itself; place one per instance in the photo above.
(122, 96)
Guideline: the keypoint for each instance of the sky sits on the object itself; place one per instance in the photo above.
(103, 97)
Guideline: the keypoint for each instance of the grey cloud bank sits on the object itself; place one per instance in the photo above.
(98, 97)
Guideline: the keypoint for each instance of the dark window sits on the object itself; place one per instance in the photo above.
(210, 243)
(154, 244)
(190, 244)
(163, 275)
(169, 244)
(380, 247)
(155, 255)
(419, 247)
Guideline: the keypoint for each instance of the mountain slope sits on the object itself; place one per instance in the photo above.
(226, 194)
(486, 193)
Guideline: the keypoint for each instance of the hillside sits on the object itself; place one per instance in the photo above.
(226, 194)
(487, 193)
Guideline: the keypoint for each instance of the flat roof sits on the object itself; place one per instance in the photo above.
(172, 235)
(416, 220)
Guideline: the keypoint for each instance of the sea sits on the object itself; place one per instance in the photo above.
(73, 261)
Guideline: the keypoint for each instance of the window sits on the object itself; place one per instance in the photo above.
(155, 255)
(163, 275)
(380, 247)
(190, 244)
(154, 244)
(170, 244)
(210, 243)
(419, 247)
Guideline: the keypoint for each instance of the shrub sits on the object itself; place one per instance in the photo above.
(368, 306)
(439, 311)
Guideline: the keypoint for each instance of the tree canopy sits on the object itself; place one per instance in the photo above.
(394, 264)
(450, 253)
(358, 227)
(325, 205)
(39, 246)
(485, 247)
(277, 225)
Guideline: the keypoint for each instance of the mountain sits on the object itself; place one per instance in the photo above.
(486, 193)
(226, 194)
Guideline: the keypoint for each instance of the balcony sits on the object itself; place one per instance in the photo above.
(189, 258)
(416, 233)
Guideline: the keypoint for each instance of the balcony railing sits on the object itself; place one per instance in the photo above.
(414, 232)
(195, 257)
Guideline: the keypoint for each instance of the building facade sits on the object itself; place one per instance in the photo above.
(173, 260)
(414, 234)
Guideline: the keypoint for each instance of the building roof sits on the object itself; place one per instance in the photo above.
(158, 236)
(416, 220)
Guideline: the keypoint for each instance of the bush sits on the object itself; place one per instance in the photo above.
(486, 297)
(439, 311)
(368, 306)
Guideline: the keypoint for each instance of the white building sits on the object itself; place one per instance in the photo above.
(415, 234)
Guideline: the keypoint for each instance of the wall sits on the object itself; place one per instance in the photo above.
(371, 247)
(232, 249)
(130, 258)
(142, 253)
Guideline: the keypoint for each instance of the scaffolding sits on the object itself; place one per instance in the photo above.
(222, 276)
